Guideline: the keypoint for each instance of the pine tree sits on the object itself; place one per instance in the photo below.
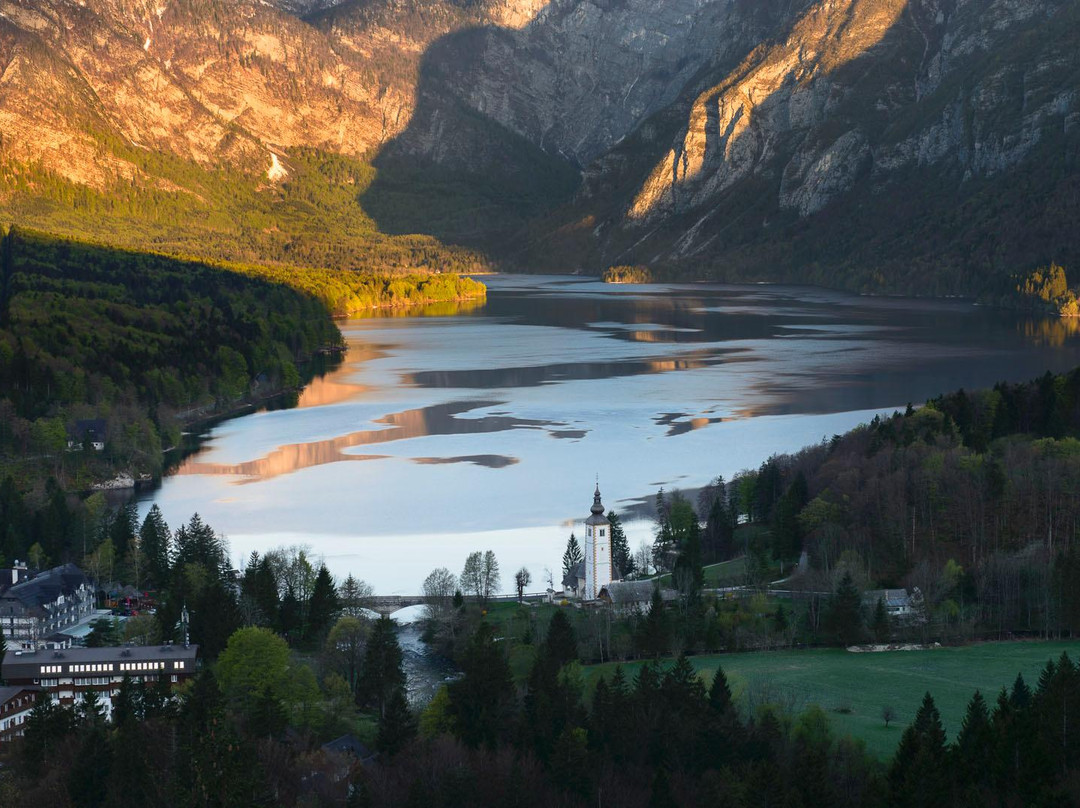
(1020, 697)
(718, 539)
(127, 705)
(88, 778)
(267, 717)
(844, 619)
(323, 605)
(780, 619)
(560, 646)
(653, 636)
(397, 727)
(786, 530)
(124, 528)
(722, 729)
(969, 753)
(688, 573)
(90, 710)
(720, 695)
(621, 556)
(919, 775)
(572, 557)
(881, 625)
(482, 700)
(383, 672)
(660, 795)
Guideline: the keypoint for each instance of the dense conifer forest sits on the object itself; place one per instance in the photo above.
(143, 343)
(291, 659)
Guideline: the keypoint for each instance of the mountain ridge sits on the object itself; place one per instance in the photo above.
(883, 145)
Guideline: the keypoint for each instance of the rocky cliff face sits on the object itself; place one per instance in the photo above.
(854, 103)
(736, 138)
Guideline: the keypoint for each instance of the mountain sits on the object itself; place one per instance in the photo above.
(927, 146)
(881, 145)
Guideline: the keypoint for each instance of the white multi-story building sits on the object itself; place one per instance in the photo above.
(15, 706)
(33, 611)
(66, 674)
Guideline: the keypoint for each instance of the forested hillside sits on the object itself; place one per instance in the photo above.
(971, 498)
(136, 340)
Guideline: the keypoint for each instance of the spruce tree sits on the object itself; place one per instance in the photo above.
(786, 530)
(482, 700)
(688, 573)
(621, 556)
(323, 604)
(718, 539)
(397, 727)
(975, 739)
(653, 633)
(881, 625)
(267, 718)
(560, 646)
(844, 619)
(88, 778)
(573, 555)
(90, 710)
(127, 705)
(660, 795)
(383, 672)
(919, 775)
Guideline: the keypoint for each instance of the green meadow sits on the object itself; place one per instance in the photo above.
(854, 687)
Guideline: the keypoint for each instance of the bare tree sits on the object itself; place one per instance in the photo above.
(472, 575)
(549, 577)
(439, 589)
(522, 578)
(888, 713)
(643, 558)
(489, 571)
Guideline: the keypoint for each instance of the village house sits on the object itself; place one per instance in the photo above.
(35, 610)
(68, 673)
(898, 603)
(92, 432)
(15, 706)
(632, 597)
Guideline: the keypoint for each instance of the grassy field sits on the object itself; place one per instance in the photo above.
(861, 684)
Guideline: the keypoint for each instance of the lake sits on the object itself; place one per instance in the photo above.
(486, 426)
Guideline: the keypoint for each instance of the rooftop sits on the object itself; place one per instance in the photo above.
(47, 586)
(8, 693)
(26, 664)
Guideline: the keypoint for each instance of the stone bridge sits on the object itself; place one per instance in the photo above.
(388, 604)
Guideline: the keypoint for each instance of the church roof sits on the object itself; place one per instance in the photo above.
(597, 509)
(571, 578)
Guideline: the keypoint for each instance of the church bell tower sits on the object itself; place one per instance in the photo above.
(597, 549)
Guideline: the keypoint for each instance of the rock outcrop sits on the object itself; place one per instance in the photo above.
(729, 138)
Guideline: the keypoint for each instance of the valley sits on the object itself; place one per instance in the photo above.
(321, 321)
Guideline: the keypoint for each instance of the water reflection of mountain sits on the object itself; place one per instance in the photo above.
(439, 419)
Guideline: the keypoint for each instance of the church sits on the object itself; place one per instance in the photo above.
(596, 571)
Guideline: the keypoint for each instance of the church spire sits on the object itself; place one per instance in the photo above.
(597, 506)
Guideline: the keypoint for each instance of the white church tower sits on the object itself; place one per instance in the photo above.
(597, 549)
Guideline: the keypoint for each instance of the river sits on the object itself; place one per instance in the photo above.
(486, 426)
